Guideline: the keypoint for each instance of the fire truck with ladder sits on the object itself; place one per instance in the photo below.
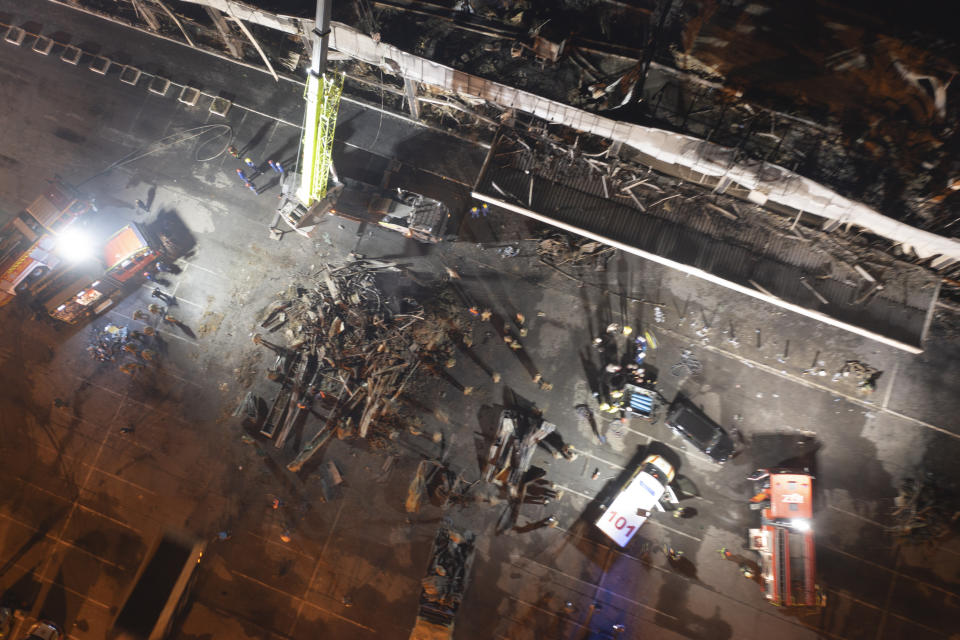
(28, 243)
(122, 264)
(785, 537)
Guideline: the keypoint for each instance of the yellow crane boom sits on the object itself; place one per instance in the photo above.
(322, 95)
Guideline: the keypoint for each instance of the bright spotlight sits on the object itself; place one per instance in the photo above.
(74, 245)
(801, 525)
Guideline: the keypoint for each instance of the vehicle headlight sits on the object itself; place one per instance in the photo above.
(74, 245)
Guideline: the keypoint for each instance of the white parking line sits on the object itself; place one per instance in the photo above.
(131, 400)
(59, 540)
(55, 450)
(887, 570)
(857, 516)
(301, 600)
(810, 384)
(127, 482)
(847, 596)
(282, 545)
(193, 265)
(598, 587)
(587, 454)
(657, 523)
(573, 491)
(889, 392)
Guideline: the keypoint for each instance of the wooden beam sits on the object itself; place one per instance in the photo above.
(256, 45)
(147, 14)
(177, 22)
(221, 24)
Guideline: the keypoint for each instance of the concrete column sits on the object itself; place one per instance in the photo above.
(410, 87)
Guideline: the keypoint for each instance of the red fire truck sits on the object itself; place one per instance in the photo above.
(125, 257)
(28, 243)
(785, 537)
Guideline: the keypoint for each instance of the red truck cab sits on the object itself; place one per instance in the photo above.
(785, 537)
(125, 256)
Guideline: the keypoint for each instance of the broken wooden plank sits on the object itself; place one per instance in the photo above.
(723, 212)
(331, 286)
(311, 449)
(335, 476)
(636, 201)
(809, 287)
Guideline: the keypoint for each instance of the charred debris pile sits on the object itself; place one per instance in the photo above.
(348, 354)
(926, 511)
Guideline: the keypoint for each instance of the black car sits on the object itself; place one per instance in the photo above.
(688, 421)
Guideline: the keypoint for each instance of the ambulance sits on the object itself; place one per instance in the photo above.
(638, 496)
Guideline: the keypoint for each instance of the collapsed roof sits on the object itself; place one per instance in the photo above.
(690, 74)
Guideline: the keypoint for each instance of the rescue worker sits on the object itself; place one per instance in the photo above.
(130, 368)
(161, 295)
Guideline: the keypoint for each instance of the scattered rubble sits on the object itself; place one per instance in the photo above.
(563, 249)
(116, 343)
(924, 512)
(863, 374)
(350, 353)
(436, 480)
(108, 343)
(512, 449)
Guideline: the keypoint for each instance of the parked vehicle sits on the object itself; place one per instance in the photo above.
(124, 258)
(160, 590)
(705, 434)
(6, 622)
(445, 584)
(637, 498)
(29, 242)
(785, 537)
(411, 214)
(44, 630)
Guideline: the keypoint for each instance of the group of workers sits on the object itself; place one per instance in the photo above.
(248, 179)
(613, 394)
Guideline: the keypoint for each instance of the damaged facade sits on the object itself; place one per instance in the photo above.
(852, 146)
